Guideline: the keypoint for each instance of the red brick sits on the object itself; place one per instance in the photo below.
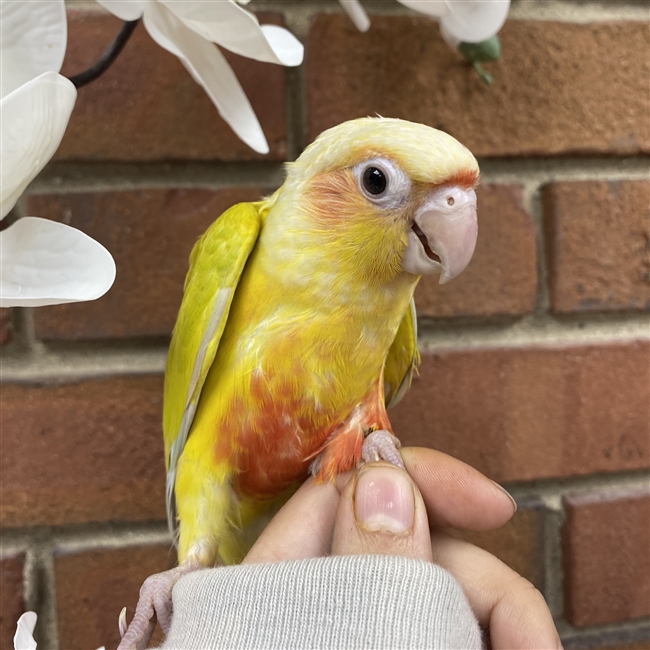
(502, 276)
(598, 245)
(92, 588)
(531, 413)
(606, 538)
(150, 233)
(559, 87)
(520, 543)
(12, 604)
(89, 451)
(148, 107)
(5, 326)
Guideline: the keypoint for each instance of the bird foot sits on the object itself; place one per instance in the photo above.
(155, 603)
(382, 445)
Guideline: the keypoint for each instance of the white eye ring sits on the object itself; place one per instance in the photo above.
(397, 186)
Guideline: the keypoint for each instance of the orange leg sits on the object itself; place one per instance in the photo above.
(364, 436)
(340, 454)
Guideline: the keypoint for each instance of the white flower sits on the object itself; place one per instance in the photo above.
(24, 639)
(190, 28)
(41, 262)
(470, 21)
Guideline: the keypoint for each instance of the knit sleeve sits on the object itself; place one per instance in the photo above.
(361, 601)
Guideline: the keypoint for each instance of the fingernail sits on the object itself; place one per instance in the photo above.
(383, 500)
(514, 503)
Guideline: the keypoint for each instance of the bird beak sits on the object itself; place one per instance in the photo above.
(443, 234)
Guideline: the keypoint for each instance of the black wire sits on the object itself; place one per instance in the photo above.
(105, 60)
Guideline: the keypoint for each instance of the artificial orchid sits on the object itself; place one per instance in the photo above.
(468, 21)
(24, 637)
(42, 262)
(189, 29)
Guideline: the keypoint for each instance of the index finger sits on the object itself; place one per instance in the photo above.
(455, 494)
(302, 528)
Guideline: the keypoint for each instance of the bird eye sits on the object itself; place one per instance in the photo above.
(374, 181)
(382, 182)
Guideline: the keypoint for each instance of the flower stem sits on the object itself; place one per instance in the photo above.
(106, 60)
(485, 76)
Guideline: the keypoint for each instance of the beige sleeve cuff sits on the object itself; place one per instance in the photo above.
(369, 601)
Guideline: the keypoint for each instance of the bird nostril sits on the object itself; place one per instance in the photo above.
(450, 200)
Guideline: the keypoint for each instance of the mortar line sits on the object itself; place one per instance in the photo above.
(96, 360)
(65, 177)
(75, 542)
(44, 602)
(552, 490)
(600, 636)
(72, 365)
(89, 535)
(607, 635)
(21, 319)
(292, 113)
(30, 577)
(572, 11)
(534, 331)
(553, 556)
(548, 169)
(22, 322)
(297, 21)
(95, 535)
(300, 127)
(534, 206)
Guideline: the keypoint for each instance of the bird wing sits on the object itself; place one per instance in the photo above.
(403, 358)
(216, 265)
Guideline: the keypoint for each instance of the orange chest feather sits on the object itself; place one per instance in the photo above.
(287, 409)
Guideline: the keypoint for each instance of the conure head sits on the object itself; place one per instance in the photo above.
(394, 196)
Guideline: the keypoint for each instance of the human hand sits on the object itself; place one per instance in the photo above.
(379, 509)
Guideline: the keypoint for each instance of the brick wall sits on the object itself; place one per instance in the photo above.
(535, 361)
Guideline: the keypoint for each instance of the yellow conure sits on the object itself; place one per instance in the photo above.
(297, 326)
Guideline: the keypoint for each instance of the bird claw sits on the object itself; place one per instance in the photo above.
(382, 445)
(155, 603)
(121, 622)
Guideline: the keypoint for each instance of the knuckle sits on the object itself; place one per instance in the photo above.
(528, 590)
(383, 542)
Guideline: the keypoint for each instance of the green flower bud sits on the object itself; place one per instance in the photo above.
(489, 50)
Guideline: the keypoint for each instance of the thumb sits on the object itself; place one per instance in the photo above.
(381, 512)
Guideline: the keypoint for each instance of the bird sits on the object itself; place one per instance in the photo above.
(297, 330)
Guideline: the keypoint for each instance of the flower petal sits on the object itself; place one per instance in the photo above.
(24, 639)
(210, 69)
(435, 8)
(32, 40)
(357, 14)
(473, 21)
(287, 49)
(232, 27)
(33, 119)
(125, 9)
(44, 262)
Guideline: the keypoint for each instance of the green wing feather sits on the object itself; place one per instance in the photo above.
(403, 358)
(216, 265)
